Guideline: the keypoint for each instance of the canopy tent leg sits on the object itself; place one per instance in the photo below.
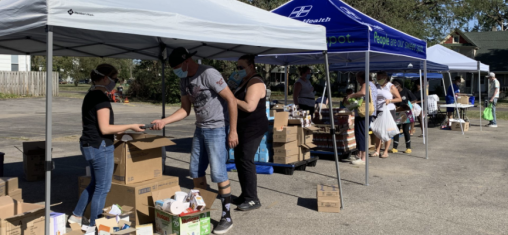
(424, 110)
(456, 105)
(163, 96)
(480, 95)
(286, 85)
(367, 116)
(332, 129)
(444, 86)
(426, 101)
(49, 104)
(322, 98)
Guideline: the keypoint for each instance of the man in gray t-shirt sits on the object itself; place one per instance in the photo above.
(205, 89)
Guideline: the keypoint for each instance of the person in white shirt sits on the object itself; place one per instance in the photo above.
(493, 96)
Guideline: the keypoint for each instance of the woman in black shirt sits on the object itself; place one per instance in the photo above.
(252, 125)
(96, 142)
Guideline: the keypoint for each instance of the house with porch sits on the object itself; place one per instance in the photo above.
(490, 48)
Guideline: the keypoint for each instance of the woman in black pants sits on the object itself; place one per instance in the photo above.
(406, 96)
(252, 125)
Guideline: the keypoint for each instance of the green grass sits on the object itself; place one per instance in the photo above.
(8, 96)
(500, 115)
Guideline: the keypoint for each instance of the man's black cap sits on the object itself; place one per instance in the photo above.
(178, 56)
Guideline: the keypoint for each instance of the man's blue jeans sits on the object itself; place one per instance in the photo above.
(494, 104)
(101, 161)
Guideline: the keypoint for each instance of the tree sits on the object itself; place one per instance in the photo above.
(488, 14)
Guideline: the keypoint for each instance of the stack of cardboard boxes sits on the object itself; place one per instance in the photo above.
(291, 141)
(344, 133)
(18, 218)
(9, 187)
(328, 198)
(137, 173)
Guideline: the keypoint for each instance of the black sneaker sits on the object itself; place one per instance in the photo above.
(224, 226)
(239, 200)
(250, 205)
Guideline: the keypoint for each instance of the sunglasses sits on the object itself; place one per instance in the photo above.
(240, 68)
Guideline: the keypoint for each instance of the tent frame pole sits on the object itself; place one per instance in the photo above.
(426, 100)
(49, 104)
(424, 110)
(444, 86)
(367, 116)
(480, 95)
(286, 85)
(332, 129)
(456, 105)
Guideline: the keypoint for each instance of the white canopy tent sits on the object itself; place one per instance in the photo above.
(458, 63)
(143, 30)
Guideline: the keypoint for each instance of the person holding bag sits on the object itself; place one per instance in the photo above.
(387, 95)
(360, 115)
(404, 106)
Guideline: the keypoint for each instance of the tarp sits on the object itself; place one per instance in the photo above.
(349, 31)
(456, 62)
(396, 66)
(135, 29)
(430, 76)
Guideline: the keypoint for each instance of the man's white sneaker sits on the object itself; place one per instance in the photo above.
(351, 158)
(492, 125)
(358, 162)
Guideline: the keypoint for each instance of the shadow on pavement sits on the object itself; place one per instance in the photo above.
(309, 203)
(183, 145)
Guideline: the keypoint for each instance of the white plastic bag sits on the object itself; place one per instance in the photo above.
(384, 127)
(417, 110)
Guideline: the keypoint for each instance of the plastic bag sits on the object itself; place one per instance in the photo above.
(384, 127)
(417, 109)
(487, 113)
(234, 81)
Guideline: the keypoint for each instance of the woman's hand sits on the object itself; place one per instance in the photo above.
(137, 127)
(388, 101)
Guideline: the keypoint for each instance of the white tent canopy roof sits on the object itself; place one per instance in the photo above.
(137, 29)
(456, 62)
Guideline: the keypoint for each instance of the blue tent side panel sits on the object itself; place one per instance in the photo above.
(350, 30)
(430, 76)
(395, 66)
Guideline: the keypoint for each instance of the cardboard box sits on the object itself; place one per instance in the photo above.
(304, 153)
(455, 126)
(125, 215)
(18, 218)
(135, 195)
(328, 198)
(281, 132)
(285, 149)
(8, 185)
(285, 159)
(17, 194)
(107, 225)
(34, 157)
(57, 223)
(305, 134)
(138, 159)
(463, 99)
(195, 223)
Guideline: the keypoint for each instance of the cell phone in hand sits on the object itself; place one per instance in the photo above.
(147, 126)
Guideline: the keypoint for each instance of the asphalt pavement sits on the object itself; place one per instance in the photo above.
(461, 189)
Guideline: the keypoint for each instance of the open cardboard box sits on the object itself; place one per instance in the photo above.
(138, 157)
(20, 218)
(194, 223)
(126, 211)
(282, 133)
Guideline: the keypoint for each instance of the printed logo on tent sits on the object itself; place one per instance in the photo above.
(71, 12)
(300, 11)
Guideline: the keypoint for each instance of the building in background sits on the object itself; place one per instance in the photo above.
(490, 48)
(15, 63)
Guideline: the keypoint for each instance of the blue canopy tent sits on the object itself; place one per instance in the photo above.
(351, 37)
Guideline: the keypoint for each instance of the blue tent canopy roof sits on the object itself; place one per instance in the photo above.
(349, 30)
(395, 66)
